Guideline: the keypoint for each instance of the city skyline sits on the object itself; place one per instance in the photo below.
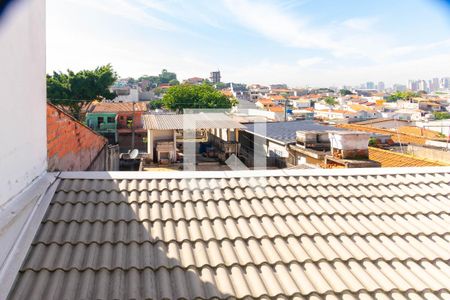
(295, 42)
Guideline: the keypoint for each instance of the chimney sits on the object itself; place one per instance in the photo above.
(349, 144)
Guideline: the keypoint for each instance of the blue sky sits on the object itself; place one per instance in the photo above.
(302, 42)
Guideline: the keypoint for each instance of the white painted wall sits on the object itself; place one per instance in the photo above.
(23, 150)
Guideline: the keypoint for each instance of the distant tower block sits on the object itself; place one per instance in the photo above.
(215, 76)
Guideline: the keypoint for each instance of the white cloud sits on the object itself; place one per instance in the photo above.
(129, 10)
(360, 24)
(345, 39)
(308, 62)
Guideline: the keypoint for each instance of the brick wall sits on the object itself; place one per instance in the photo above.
(71, 146)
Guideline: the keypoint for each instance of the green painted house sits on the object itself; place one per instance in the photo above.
(104, 123)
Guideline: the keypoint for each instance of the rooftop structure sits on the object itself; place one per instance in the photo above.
(200, 121)
(380, 233)
(285, 132)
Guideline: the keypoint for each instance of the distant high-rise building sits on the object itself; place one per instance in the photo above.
(423, 85)
(435, 86)
(215, 76)
(399, 87)
(445, 83)
(380, 86)
(370, 85)
(413, 85)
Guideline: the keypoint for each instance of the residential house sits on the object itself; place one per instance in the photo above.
(194, 80)
(125, 119)
(405, 114)
(300, 103)
(271, 140)
(264, 103)
(430, 106)
(303, 114)
(364, 111)
(335, 114)
(257, 92)
(104, 123)
(277, 99)
(168, 135)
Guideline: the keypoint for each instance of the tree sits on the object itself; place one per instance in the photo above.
(345, 92)
(156, 104)
(166, 76)
(157, 91)
(73, 90)
(174, 82)
(441, 115)
(183, 96)
(406, 95)
(330, 101)
(221, 85)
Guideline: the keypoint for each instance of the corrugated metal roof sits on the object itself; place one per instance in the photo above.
(186, 121)
(313, 237)
(285, 132)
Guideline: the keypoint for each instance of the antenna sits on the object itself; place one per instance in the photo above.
(134, 154)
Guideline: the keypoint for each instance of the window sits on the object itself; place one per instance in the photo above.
(129, 121)
(100, 120)
(111, 119)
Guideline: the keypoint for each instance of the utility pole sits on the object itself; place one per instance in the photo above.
(285, 95)
(132, 129)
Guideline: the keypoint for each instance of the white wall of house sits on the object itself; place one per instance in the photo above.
(23, 154)
(277, 150)
(153, 136)
(441, 126)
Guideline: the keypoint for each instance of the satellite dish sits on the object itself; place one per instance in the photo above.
(134, 154)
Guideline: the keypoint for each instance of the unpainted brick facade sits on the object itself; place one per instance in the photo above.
(71, 146)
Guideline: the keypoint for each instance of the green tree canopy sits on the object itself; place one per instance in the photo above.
(166, 76)
(330, 100)
(73, 90)
(441, 115)
(174, 82)
(183, 96)
(406, 95)
(155, 104)
(345, 92)
(222, 85)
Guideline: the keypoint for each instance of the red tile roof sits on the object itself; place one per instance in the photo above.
(115, 107)
(389, 159)
(276, 109)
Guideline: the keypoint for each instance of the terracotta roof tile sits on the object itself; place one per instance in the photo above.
(276, 109)
(265, 101)
(115, 107)
(397, 137)
(394, 159)
(417, 131)
(311, 237)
